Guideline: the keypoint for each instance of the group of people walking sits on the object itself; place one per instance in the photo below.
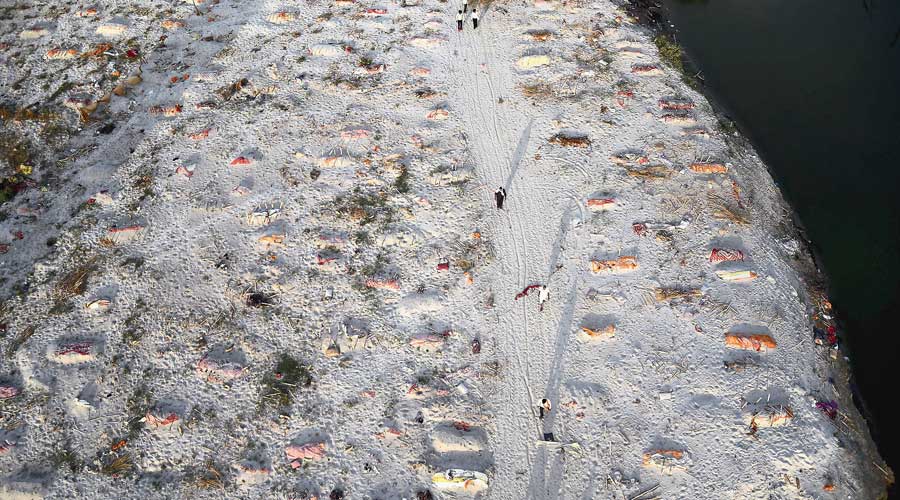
(543, 292)
(461, 15)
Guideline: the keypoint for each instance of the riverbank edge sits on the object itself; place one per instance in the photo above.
(878, 477)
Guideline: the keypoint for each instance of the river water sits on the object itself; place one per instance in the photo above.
(815, 85)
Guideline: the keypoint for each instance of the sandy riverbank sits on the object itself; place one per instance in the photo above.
(274, 256)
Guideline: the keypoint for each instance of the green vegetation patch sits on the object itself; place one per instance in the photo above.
(672, 54)
(281, 385)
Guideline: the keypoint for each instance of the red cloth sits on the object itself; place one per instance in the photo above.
(832, 335)
(526, 290)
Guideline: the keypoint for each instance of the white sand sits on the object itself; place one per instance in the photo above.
(233, 224)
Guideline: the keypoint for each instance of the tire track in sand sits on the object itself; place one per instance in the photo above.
(499, 134)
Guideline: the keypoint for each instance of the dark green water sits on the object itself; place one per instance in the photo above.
(815, 84)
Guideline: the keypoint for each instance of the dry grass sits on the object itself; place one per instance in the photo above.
(720, 310)
(118, 465)
(651, 172)
(540, 35)
(228, 91)
(537, 90)
(726, 213)
(74, 283)
(15, 150)
(568, 140)
(594, 36)
(471, 253)
(464, 265)
(27, 115)
(20, 339)
(679, 205)
(211, 478)
(564, 89)
(664, 294)
(364, 207)
(64, 456)
(722, 211)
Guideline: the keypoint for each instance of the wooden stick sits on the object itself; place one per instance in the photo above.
(882, 470)
(642, 493)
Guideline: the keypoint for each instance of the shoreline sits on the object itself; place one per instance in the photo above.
(652, 15)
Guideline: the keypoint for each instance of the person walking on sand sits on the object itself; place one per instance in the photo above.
(459, 21)
(543, 296)
(499, 197)
(545, 407)
(465, 5)
(474, 18)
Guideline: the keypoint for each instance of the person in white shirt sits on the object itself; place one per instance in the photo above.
(475, 18)
(459, 21)
(543, 296)
(544, 408)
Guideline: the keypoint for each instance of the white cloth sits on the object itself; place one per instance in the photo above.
(459, 16)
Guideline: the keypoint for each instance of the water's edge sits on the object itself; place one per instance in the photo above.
(878, 475)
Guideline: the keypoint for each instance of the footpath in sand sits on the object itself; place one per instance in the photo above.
(657, 386)
(250, 250)
(529, 238)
